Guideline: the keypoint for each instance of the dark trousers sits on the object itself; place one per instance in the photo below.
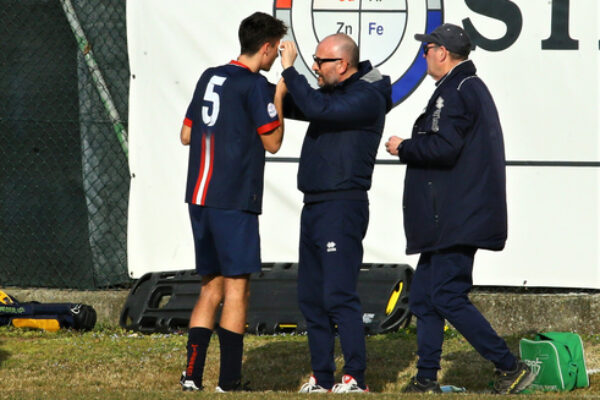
(330, 258)
(439, 291)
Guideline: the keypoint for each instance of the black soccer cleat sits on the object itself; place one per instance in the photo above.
(414, 386)
(511, 382)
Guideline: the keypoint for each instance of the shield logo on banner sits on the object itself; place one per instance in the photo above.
(383, 30)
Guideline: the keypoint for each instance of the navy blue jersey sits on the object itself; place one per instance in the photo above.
(231, 107)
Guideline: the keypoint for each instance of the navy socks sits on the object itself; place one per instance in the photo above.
(232, 347)
(198, 340)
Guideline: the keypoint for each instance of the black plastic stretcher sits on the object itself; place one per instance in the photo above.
(163, 301)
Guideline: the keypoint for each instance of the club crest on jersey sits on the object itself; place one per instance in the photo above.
(271, 110)
(383, 29)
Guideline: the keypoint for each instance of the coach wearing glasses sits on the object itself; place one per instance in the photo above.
(346, 116)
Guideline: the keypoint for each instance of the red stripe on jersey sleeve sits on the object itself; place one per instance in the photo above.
(268, 127)
(187, 122)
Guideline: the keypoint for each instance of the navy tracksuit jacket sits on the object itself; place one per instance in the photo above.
(336, 165)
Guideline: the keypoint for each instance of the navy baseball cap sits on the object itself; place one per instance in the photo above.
(451, 36)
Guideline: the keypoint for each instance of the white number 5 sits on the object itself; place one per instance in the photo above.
(211, 96)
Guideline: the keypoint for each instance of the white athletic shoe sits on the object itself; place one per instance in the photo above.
(348, 385)
(219, 390)
(234, 387)
(188, 385)
(312, 387)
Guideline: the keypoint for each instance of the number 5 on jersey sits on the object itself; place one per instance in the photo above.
(212, 97)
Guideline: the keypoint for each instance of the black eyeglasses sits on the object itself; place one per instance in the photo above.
(427, 46)
(320, 61)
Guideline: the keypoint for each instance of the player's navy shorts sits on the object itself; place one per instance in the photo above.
(226, 241)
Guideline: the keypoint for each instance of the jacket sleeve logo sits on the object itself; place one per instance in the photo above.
(435, 123)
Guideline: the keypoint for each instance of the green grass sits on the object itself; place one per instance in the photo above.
(110, 363)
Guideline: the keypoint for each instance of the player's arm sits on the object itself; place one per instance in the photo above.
(186, 134)
(272, 140)
(186, 129)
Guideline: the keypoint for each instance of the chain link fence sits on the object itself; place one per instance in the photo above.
(64, 178)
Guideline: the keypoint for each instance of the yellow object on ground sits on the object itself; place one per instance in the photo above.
(4, 298)
(50, 325)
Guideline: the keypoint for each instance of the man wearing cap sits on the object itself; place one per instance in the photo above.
(454, 203)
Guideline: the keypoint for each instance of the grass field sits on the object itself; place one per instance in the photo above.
(110, 363)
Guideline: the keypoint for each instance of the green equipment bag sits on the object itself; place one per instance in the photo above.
(558, 359)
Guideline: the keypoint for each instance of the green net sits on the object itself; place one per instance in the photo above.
(64, 178)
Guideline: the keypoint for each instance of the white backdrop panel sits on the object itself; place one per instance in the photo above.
(548, 102)
(553, 230)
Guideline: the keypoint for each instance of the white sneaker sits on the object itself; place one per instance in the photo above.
(312, 387)
(348, 385)
(234, 387)
(188, 385)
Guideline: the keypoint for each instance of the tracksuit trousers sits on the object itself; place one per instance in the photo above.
(439, 291)
(330, 258)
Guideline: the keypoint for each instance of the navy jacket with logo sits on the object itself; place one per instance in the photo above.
(455, 184)
(346, 122)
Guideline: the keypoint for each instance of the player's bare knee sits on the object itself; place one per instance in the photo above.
(236, 296)
(237, 287)
(212, 294)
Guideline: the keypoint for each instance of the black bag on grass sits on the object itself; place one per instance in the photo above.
(48, 316)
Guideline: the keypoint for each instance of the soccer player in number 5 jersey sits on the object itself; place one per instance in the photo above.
(234, 116)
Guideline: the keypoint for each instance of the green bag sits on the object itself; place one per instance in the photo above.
(558, 359)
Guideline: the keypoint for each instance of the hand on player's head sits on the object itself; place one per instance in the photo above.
(288, 53)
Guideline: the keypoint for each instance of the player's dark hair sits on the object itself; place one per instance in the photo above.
(257, 29)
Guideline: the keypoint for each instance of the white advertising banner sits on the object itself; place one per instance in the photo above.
(540, 60)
